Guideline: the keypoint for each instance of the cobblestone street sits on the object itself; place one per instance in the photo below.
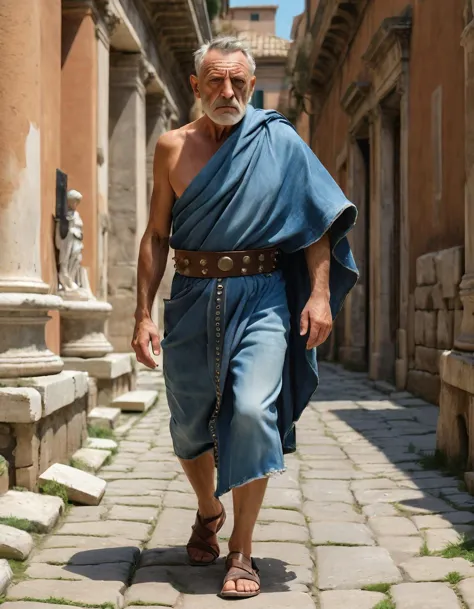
(357, 522)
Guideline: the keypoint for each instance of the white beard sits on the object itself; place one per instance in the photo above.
(223, 118)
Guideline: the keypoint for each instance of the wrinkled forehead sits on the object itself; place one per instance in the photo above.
(223, 63)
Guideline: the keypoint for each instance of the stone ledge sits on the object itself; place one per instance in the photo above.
(56, 391)
(20, 405)
(457, 369)
(110, 366)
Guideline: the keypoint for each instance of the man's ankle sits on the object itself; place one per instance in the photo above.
(209, 508)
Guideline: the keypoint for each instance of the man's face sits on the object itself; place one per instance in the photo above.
(225, 86)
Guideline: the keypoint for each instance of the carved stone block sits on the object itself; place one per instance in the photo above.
(427, 359)
(445, 329)
(449, 270)
(429, 328)
(424, 298)
(426, 270)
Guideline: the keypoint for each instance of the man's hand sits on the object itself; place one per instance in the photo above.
(317, 319)
(144, 333)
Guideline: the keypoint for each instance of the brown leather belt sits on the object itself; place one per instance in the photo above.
(225, 264)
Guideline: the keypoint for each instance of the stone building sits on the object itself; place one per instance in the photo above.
(86, 88)
(256, 25)
(388, 113)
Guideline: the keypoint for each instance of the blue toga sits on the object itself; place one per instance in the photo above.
(237, 372)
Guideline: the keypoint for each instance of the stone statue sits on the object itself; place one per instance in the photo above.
(73, 279)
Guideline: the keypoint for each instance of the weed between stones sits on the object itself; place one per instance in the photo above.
(462, 549)
(385, 604)
(384, 588)
(454, 577)
(19, 523)
(94, 431)
(56, 489)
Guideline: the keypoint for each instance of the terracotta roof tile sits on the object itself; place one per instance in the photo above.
(265, 45)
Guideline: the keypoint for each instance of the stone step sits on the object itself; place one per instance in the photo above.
(42, 511)
(81, 487)
(101, 444)
(14, 543)
(6, 575)
(136, 401)
(103, 416)
(91, 458)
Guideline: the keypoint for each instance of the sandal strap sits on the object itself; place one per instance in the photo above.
(240, 566)
(201, 533)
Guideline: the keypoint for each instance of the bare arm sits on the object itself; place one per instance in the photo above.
(316, 316)
(153, 255)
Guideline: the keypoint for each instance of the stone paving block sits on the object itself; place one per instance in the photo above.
(438, 539)
(107, 528)
(92, 458)
(86, 513)
(95, 553)
(14, 543)
(6, 575)
(110, 572)
(135, 487)
(373, 484)
(94, 593)
(285, 600)
(280, 532)
(392, 526)
(102, 444)
(401, 548)
(282, 498)
(424, 596)
(350, 599)
(380, 510)
(137, 514)
(152, 592)
(163, 556)
(445, 521)
(326, 491)
(434, 568)
(81, 487)
(288, 553)
(327, 512)
(42, 511)
(322, 452)
(36, 605)
(150, 500)
(173, 528)
(274, 515)
(186, 501)
(344, 533)
(466, 589)
(346, 568)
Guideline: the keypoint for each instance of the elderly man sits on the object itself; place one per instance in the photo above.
(262, 268)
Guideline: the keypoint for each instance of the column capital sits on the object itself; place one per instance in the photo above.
(127, 72)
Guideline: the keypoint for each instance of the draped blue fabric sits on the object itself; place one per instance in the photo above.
(264, 187)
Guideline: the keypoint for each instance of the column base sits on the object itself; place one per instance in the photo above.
(113, 374)
(43, 421)
(82, 328)
(23, 350)
(465, 340)
(455, 433)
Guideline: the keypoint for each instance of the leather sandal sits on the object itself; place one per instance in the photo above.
(239, 566)
(200, 536)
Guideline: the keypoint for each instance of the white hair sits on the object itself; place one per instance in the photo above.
(224, 44)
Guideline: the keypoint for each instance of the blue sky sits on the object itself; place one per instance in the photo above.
(286, 11)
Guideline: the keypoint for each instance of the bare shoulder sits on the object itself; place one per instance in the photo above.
(173, 140)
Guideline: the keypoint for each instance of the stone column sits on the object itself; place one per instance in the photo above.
(465, 341)
(127, 190)
(457, 367)
(24, 302)
(158, 115)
